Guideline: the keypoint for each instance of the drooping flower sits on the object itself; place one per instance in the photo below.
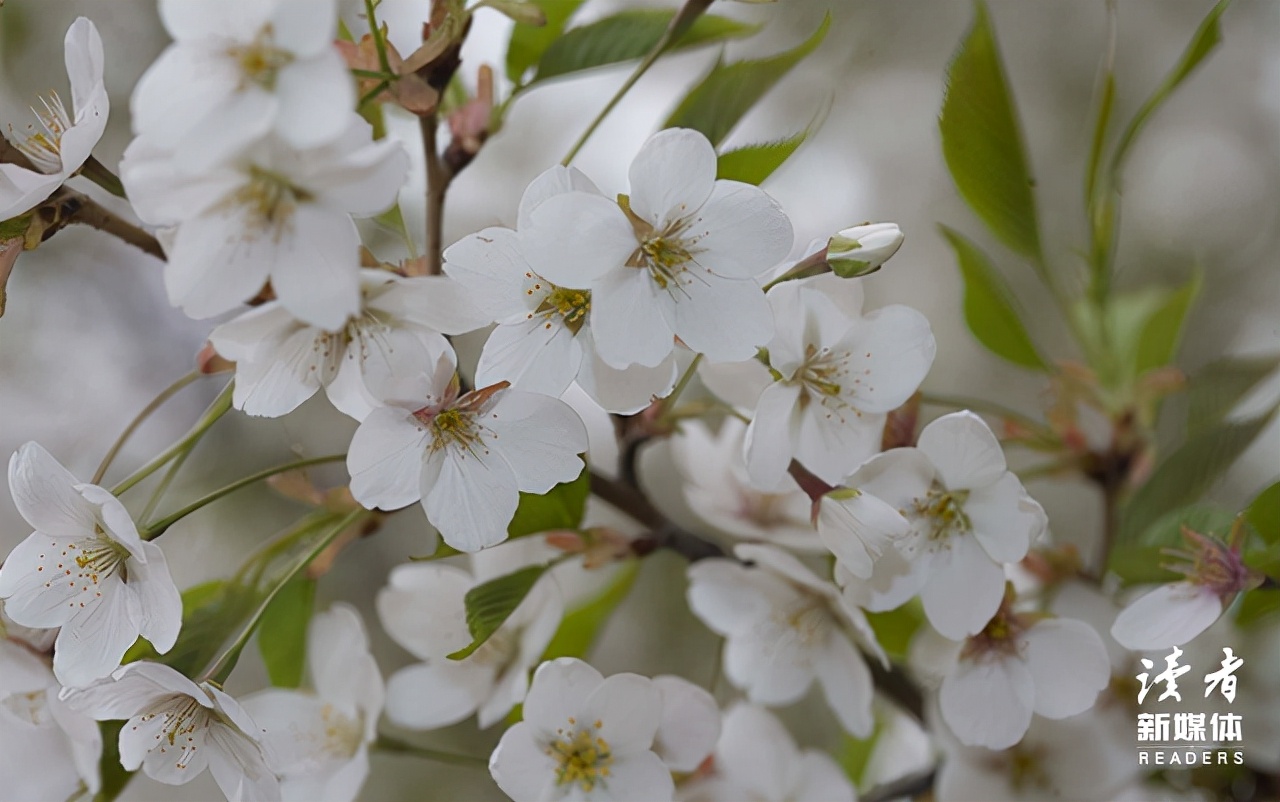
(969, 515)
(282, 361)
(466, 457)
(857, 528)
(495, 678)
(837, 373)
(784, 628)
(320, 740)
(583, 737)
(176, 729)
(65, 139)
(239, 70)
(84, 569)
(677, 258)
(274, 212)
(543, 340)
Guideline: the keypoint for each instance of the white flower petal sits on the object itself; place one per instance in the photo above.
(213, 267)
(964, 588)
(160, 604)
(624, 391)
(342, 670)
(91, 645)
(741, 232)
(227, 128)
(821, 780)
(472, 500)
(45, 495)
(274, 384)
(770, 439)
(315, 272)
(134, 687)
(493, 269)
(690, 723)
(892, 350)
(859, 529)
(540, 438)
(439, 303)
(575, 238)
(304, 27)
(239, 766)
(672, 176)
(627, 321)
(833, 442)
(756, 752)
(294, 725)
(723, 596)
(727, 320)
(385, 459)
(36, 593)
(521, 766)
(430, 696)
(846, 684)
(166, 101)
(963, 449)
(414, 587)
(537, 355)
(988, 702)
(1005, 519)
(639, 775)
(316, 96)
(1166, 617)
(556, 180)
(1069, 665)
(22, 190)
(360, 176)
(559, 687)
(629, 709)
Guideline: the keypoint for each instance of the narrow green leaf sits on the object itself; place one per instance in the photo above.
(988, 306)
(282, 632)
(559, 508)
(629, 35)
(1257, 605)
(580, 627)
(1188, 472)
(1162, 333)
(729, 91)
(752, 164)
(529, 43)
(1204, 518)
(982, 142)
(492, 603)
(1139, 565)
(1263, 514)
(1219, 388)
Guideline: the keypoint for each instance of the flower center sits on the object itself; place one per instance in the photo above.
(270, 199)
(1025, 767)
(937, 517)
(100, 558)
(498, 650)
(260, 61)
(1003, 633)
(44, 148)
(1213, 564)
(582, 757)
(571, 305)
(182, 717)
(343, 735)
(31, 706)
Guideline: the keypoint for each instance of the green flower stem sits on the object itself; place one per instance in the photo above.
(158, 528)
(397, 747)
(669, 402)
(147, 411)
(216, 410)
(100, 174)
(163, 486)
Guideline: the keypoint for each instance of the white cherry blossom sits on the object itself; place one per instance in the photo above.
(282, 361)
(84, 569)
(239, 70)
(679, 258)
(837, 374)
(175, 729)
(320, 740)
(438, 691)
(584, 737)
(64, 140)
(784, 628)
(858, 528)
(466, 458)
(274, 212)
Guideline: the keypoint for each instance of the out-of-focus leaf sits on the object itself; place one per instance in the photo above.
(855, 753)
(1140, 565)
(1257, 605)
(895, 628)
(629, 35)
(1162, 333)
(752, 164)
(529, 43)
(523, 12)
(1206, 519)
(1188, 472)
(114, 777)
(559, 508)
(1220, 386)
(729, 91)
(211, 611)
(982, 142)
(581, 626)
(988, 306)
(491, 603)
(282, 632)
(1264, 514)
(1267, 561)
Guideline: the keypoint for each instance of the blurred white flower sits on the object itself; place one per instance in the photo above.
(438, 691)
(467, 458)
(690, 723)
(274, 212)
(863, 249)
(176, 729)
(756, 759)
(320, 740)
(677, 259)
(67, 139)
(282, 361)
(85, 570)
(837, 373)
(584, 737)
(239, 70)
(784, 628)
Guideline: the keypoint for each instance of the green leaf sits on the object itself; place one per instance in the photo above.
(1263, 514)
(626, 36)
(895, 628)
(1205, 518)
(982, 142)
(493, 602)
(529, 43)
(988, 306)
(1219, 387)
(210, 611)
(1139, 565)
(1162, 333)
(580, 627)
(282, 632)
(114, 777)
(854, 754)
(1188, 472)
(729, 91)
(1267, 561)
(561, 507)
(752, 164)
(1257, 605)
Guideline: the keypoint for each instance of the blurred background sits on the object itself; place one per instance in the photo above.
(88, 337)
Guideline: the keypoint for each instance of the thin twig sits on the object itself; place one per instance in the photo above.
(438, 179)
(156, 403)
(68, 207)
(662, 533)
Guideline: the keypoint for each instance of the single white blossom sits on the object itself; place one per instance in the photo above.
(837, 374)
(239, 70)
(274, 212)
(320, 740)
(489, 682)
(176, 729)
(584, 737)
(282, 361)
(65, 139)
(678, 258)
(84, 569)
(466, 458)
(784, 628)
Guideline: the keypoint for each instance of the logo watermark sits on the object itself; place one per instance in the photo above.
(1193, 738)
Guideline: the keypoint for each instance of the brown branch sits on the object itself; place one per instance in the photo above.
(438, 179)
(896, 685)
(68, 207)
(662, 534)
(911, 786)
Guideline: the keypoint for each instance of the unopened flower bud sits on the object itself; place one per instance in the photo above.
(861, 250)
